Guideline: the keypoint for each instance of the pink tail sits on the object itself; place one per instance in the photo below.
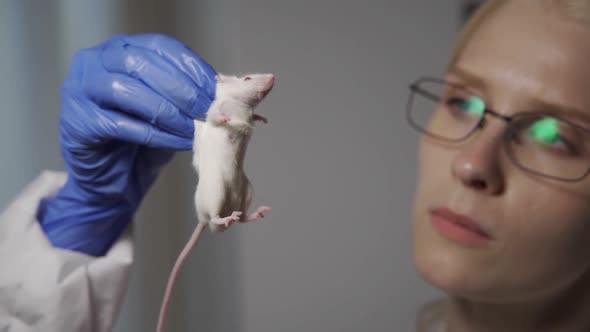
(192, 242)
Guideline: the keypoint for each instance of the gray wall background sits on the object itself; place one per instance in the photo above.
(336, 163)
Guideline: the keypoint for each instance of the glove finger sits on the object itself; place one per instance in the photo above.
(180, 55)
(158, 74)
(117, 91)
(130, 129)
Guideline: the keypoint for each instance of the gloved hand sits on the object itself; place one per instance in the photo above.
(126, 106)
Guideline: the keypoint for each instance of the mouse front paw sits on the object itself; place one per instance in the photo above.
(258, 117)
(220, 119)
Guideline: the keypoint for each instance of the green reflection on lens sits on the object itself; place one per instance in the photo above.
(474, 105)
(545, 130)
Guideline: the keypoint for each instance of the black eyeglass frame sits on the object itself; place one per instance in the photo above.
(416, 89)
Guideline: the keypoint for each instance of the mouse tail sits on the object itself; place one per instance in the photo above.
(175, 270)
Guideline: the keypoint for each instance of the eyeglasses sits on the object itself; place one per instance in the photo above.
(542, 143)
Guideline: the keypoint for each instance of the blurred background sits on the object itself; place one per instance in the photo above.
(336, 162)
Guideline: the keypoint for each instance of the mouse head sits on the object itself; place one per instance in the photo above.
(249, 89)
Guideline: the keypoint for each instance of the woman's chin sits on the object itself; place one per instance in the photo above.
(453, 270)
(438, 274)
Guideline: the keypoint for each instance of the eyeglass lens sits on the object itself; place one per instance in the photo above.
(541, 143)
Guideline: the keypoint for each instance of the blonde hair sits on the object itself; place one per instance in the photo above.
(576, 9)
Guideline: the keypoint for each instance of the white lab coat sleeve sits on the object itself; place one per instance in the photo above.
(48, 289)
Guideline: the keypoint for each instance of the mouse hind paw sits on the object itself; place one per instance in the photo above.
(258, 214)
(226, 221)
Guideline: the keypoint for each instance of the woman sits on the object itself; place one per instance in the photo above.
(501, 201)
(501, 221)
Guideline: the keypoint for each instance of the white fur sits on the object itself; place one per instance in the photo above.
(219, 150)
(224, 192)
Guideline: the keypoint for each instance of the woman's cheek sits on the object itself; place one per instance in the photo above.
(441, 263)
(541, 232)
(539, 242)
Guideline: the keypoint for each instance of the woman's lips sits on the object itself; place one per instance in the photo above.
(459, 228)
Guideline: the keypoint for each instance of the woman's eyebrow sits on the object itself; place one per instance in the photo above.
(568, 112)
(564, 111)
(468, 77)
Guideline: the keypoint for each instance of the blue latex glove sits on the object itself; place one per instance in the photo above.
(126, 106)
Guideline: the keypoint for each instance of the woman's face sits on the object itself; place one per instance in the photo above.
(522, 57)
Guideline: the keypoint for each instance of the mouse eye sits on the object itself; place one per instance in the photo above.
(247, 78)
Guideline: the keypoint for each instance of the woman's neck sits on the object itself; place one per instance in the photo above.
(566, 312)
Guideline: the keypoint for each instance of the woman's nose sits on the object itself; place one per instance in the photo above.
(478, 165)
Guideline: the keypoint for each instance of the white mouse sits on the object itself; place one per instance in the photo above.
(223, 193)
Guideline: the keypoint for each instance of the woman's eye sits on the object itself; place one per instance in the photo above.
(247, 78)
(466, 106)
(455, 102)
(548, 133)
(562, 143)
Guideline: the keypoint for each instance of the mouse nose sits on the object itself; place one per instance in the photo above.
(269, 83)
